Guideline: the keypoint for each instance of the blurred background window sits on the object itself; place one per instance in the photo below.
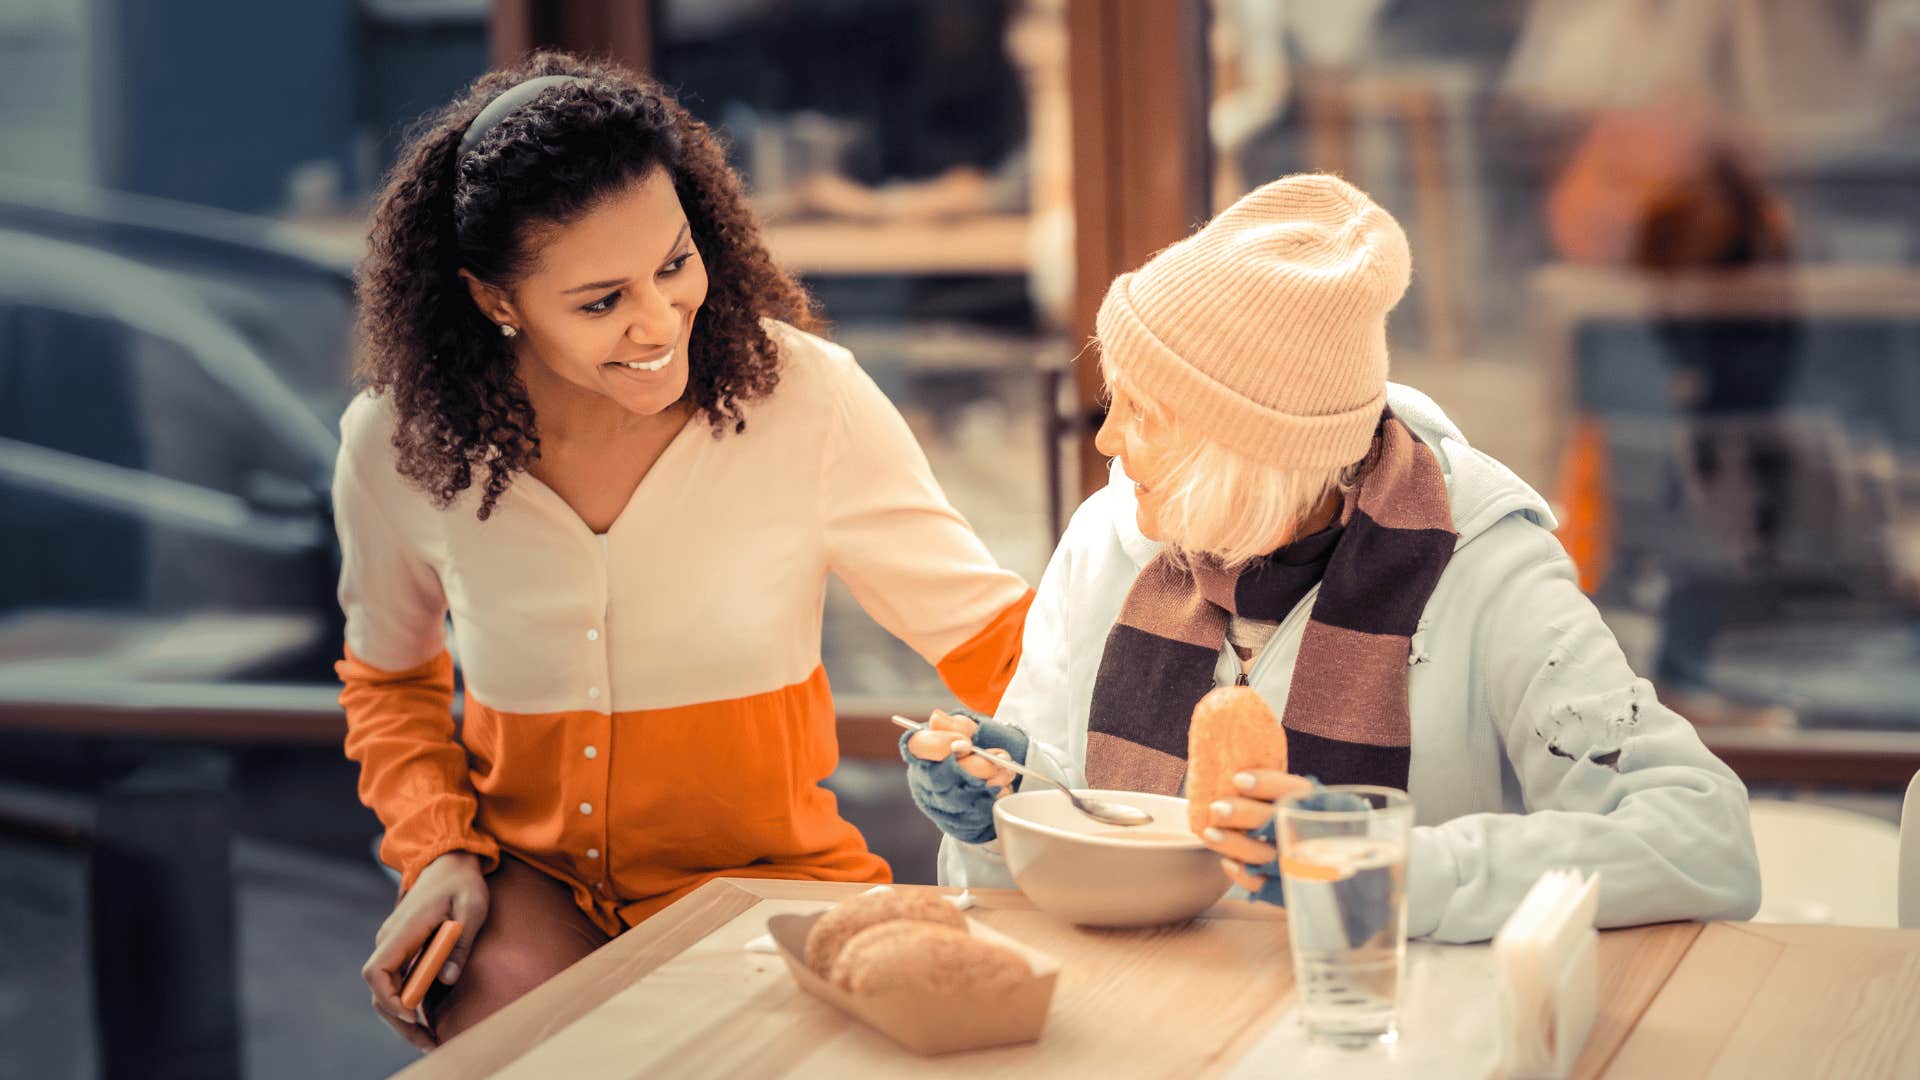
(1665, 268)
(181, 203)
(183, 190)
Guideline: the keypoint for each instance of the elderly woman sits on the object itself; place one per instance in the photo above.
(1281, 516)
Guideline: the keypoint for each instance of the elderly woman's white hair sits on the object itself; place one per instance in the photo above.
(1262, 338)
(1220, 504)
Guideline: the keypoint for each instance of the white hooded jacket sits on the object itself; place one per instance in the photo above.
(1534, 744)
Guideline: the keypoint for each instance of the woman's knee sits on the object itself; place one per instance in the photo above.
(518, 966)
(497, 974)
(533, 932)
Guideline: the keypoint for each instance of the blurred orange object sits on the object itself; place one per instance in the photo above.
(1303, 870)
(1663, 190)
(1586, 526)
(1652, 190)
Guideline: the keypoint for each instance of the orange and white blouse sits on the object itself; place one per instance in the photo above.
(645, 709)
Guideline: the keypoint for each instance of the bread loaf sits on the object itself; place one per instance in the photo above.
(834, 929)
(925, 960)
(1233, 730)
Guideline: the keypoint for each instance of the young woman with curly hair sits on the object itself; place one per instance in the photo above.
(598, 432)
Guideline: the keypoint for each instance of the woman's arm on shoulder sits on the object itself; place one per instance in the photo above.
(907, 555)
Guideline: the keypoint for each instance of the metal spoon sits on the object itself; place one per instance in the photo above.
(1106, 813)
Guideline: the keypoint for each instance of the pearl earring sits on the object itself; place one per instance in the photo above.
(507, 331)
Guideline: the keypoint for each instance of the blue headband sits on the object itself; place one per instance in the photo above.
(509, 100)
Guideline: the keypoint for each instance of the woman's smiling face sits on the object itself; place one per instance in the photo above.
(610, 304)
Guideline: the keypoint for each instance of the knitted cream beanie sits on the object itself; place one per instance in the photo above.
(1267, 329)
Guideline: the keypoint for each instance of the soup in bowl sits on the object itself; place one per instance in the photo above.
(1100, 875)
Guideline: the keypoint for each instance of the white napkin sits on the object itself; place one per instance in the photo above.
(1546, 963)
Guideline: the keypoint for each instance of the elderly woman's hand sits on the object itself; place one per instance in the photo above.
(946, 734)
(1231, 820)
(956, 768)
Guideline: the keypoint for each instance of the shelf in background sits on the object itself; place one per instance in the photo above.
(979, 244)
(1816, 758)
(983, 244)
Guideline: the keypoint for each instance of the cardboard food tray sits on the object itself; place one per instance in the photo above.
(928, 1025)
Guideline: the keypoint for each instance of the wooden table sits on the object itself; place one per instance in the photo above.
(678, 996)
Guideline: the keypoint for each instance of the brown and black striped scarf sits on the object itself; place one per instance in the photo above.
(1346, 716)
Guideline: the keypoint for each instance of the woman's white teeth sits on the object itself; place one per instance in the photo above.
(651, 365)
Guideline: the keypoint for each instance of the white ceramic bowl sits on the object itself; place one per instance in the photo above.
(1073, 866)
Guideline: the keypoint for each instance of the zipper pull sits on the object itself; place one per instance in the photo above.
(1243, 680)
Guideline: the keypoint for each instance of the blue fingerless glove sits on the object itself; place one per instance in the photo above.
(958, 802)
(1269, 872)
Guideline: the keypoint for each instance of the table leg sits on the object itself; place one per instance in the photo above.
(165, 989)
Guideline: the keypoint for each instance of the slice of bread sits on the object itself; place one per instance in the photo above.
(1233, 730)
(834, 929)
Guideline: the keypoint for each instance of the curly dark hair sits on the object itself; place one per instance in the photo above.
(451, 375)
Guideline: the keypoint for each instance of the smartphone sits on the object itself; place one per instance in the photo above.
(425, 969)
